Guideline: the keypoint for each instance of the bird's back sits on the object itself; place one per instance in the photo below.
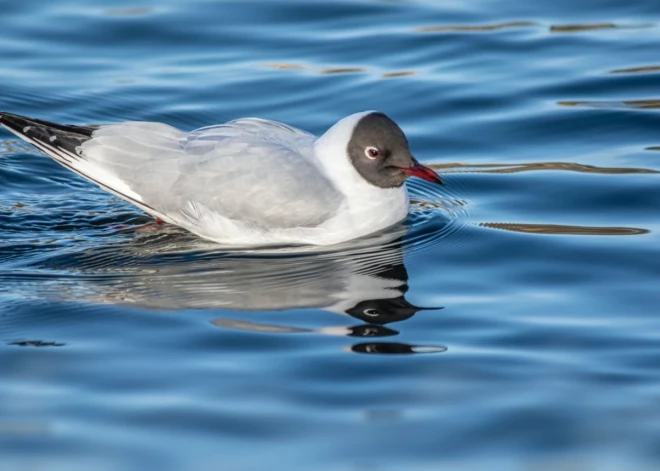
(251, 171)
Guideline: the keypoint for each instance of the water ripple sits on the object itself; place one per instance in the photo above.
(560, 229)
(637, 70)
(539, 166)
(646, 104)
(128, 345)
(474, 28)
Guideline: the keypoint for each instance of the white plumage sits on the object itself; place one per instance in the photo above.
(248, 182)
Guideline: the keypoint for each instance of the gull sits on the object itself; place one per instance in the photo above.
(248, 182)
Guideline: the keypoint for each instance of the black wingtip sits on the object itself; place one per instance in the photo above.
(11, 121)
(16, 121)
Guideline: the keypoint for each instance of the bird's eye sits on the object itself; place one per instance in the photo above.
(371, 152)
(371, 312)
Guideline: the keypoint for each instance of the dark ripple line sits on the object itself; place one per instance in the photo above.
(553, 28)
(539, 166)
(645, 104)
(561, 229)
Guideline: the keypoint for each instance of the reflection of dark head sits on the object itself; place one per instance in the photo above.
(383, 348)
(370, 330)
(383, 311)
(395, 348)
(394, 271)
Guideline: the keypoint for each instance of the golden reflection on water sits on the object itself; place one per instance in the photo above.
(474, 28)
(484, 28)
(343, 70)
(560, 229)
(637, 70)
(537, 166)
(581, 27)
(402, 73)
(632, 104)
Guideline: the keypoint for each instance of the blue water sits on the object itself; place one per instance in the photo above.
(124, 346)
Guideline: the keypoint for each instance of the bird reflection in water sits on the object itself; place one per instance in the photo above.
(365, 281)
(375, 283)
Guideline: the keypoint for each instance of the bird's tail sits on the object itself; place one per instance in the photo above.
(63, 143)
(59, 141)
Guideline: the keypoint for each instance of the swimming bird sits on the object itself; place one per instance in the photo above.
(247, 182)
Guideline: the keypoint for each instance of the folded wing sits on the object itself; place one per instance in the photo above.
(254, 172)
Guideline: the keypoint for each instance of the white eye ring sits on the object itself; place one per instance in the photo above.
(371, 152)
(370, 312)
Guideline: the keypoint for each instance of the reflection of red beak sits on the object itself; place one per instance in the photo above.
(420, 171)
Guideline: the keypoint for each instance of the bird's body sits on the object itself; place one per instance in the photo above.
(248, 182)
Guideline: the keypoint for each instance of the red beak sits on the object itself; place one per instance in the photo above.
(420, 171)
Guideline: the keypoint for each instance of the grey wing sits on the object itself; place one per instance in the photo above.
(251, 171)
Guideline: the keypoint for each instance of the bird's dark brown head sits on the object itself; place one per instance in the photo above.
(379, 151)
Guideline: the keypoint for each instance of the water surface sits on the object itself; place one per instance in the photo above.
(126, 346)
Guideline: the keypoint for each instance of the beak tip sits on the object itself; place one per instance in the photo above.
(421, 171)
